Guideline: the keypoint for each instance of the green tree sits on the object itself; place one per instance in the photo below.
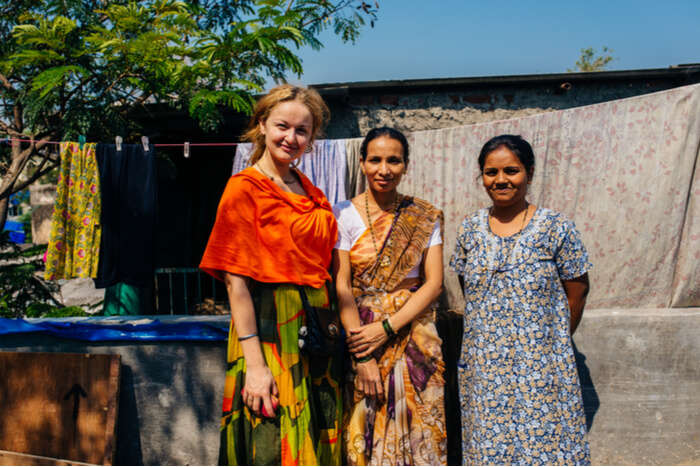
(72, 67)
(591, 61)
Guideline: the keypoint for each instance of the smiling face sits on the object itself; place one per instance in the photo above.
(505, 177)
(288, 131)
(384, 164)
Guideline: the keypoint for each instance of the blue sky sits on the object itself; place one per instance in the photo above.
(451, 38)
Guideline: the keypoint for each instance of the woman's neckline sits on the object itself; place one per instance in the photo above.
(516, 234)
(279, 188)
(357, 211)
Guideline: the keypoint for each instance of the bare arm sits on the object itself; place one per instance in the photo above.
(576, 291)
(368, 380)
(260, 391)
(342, 274)
(366, 339)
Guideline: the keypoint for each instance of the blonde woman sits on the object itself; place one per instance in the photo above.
(271, 245)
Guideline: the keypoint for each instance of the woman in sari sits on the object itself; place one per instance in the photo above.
(388, 270)
(271, 244)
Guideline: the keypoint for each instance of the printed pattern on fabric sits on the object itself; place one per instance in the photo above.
(626, 171)
(519, 389)
(74, 242)
(306, 428)
(409, 428)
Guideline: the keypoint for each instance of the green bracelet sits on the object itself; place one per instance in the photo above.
(387, 328)
(364, 359)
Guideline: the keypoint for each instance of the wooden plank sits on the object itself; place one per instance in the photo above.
(111, 425)
(16, 458)
(59, 405)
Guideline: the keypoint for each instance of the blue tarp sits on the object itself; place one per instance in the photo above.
(153, 330)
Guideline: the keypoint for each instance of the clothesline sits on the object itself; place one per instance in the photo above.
(158, 145)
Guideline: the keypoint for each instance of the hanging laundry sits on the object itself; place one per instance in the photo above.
(625, 171)
(74, 241)
(355, 182)
(129, 187)
(122, 299)
(326, 166)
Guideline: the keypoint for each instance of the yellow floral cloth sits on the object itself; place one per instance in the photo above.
(74, 243)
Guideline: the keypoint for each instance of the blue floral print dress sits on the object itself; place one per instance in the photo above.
(519, 390)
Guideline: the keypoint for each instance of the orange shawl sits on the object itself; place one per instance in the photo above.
(271, 235)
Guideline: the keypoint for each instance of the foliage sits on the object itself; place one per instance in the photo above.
(20, 287)
(71, 67)
(43, 310)
(590, 61)
(26, 220)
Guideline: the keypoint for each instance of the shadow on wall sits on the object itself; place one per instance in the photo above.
(128, 431)
(591, 402)
(169, 408)
(449, 326)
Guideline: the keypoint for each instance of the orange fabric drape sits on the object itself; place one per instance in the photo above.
(271, 235)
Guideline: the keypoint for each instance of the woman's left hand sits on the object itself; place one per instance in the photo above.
(366, 339)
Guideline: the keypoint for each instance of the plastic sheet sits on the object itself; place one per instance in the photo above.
(102, 330)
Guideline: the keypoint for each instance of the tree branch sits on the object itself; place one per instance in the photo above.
(9, 130)
(17, 110)
(338, 7)
(115, 82)
(19, 162)
(40, 172)
(136, 103)
(6, 82)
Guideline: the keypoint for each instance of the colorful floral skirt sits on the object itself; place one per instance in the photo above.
(306, 427)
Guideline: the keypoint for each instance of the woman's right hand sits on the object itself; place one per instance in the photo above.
(260, 392)
(368, 380)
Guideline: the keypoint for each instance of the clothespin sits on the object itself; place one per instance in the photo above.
(144, 141)
(81, 141)
(118, 142)
(186, 150)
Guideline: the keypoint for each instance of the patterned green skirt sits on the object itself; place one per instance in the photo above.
(306, 427)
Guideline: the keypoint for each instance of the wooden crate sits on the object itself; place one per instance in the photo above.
(60, 406)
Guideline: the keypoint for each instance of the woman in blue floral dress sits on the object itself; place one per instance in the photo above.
(523, 270)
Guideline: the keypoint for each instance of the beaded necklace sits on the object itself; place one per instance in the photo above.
(395, 207)
(288, 182)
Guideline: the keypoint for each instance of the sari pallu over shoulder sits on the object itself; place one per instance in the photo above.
(409, 428)
(402, 248)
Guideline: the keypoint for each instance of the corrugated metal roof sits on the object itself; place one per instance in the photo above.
(685, 72)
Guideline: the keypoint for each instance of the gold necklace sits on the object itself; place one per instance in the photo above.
(385, 261)
(288, 182)
(522, 225)
(515, 236)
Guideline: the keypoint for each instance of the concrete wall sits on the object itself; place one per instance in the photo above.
(417, 105)
(170, 397)
(41, 198)
(643, 395)
(639, 369)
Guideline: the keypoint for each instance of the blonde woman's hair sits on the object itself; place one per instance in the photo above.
(283, 93)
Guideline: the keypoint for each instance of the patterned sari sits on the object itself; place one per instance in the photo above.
(409, 427)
